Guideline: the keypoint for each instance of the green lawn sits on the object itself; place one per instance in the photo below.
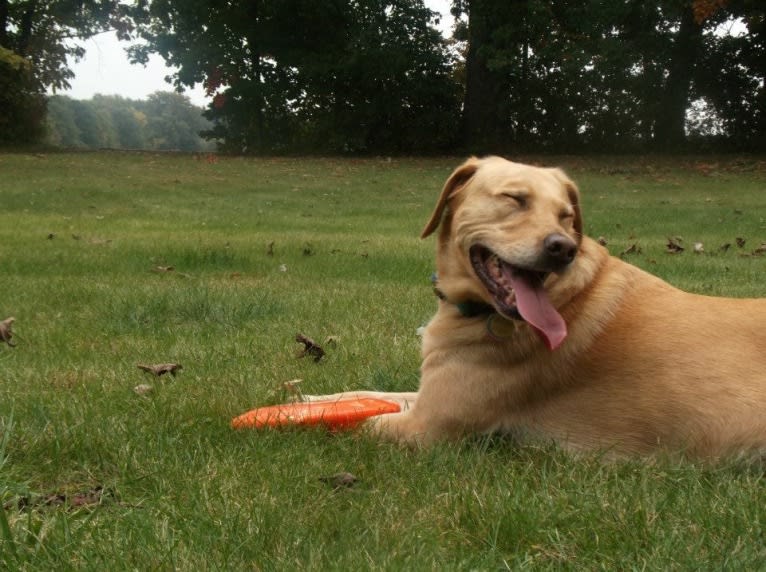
(94, 476)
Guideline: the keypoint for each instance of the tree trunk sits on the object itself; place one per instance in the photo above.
(669, 127)
(4, 25)
(256, 132)
(483, 89)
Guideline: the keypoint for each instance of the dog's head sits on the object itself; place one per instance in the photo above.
(507, 232)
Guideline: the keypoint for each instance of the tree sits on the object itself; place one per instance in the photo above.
(486, 122)
(731, 74)
(585, 74)
(120, 116)
(165, 121)
(34, 52)
(95, 125)
(62, 123)
(173, 123)
(22, 106)
(368, 75)
(673, 101)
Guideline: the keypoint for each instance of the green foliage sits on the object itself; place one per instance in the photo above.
(368, 76)
(183, 491)
(614, 76)
(23, 107)
(375, 76)
(165, 121)
(172, 122)
(39, 34)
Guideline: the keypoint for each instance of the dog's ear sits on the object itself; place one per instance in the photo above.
(574, 197)
(456, 181)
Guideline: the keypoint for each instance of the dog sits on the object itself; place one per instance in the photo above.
(542, 334)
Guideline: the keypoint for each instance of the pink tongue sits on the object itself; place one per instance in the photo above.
(537, 310)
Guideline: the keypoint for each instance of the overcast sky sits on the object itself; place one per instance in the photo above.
(105, 68)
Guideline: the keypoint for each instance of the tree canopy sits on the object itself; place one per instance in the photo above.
(376, 76)
(165, 121)
(586, 74)
(35, 52)
(300, 75)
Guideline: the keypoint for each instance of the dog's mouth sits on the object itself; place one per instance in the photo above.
(518, 293)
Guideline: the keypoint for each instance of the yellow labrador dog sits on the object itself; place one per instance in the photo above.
(543, 334)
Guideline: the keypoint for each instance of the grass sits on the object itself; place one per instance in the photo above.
(94, 476)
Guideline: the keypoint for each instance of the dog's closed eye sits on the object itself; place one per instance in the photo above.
(520, 198)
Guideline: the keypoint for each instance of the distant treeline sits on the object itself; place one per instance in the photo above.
(165, 121)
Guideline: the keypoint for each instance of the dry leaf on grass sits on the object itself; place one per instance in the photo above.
(161, 368)
(632, 249)
(340, 480)
(310, 347)
(143, 389)
(674, 245)
(5, 331)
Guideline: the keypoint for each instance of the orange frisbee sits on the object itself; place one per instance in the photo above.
(335, 414)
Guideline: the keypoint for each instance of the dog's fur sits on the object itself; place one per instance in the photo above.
(644, 367)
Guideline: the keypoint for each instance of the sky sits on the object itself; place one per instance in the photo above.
(105, 69)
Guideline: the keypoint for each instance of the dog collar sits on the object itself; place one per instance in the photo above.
(468, 308)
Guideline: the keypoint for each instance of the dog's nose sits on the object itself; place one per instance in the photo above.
(559, 249)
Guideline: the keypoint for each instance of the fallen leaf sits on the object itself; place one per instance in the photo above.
(143, 389)
(161, 368)
(340, 480)
(698, 248)
(673, 246)
(740, 242)
(310, 347)
(5, 331)
(725, 247)
(270, 249)
(761, 249)
(602, 241)
(632, 249)
(163, 269)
